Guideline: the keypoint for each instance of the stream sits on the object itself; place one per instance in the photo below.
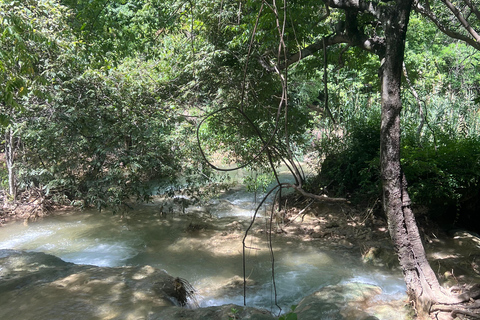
(204, 246)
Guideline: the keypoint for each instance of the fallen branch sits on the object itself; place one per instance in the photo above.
(298, 214)
(323, 198)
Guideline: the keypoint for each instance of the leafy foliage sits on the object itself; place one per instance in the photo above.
(104, 96)
(99, 135)
(442, 169)
(352, 164)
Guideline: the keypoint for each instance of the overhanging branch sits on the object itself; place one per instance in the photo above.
(462, 20)
(426, 12)
(358, 5)
(374, 45)
(473, 7)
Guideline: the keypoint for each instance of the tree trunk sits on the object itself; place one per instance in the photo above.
(423, 287)
(9, 157)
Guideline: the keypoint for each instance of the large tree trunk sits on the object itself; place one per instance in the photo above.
(423, 287)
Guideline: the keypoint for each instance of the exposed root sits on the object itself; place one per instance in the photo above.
(462, 311)
(33, 204)
(462, 306)
(465, 312)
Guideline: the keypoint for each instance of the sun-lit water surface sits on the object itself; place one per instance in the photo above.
(203, 246)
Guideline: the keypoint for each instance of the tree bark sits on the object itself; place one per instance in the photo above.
(423, 287)
(10, 158)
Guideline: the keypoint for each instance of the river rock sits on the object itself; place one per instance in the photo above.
(50, 288)
(349, 301)
(225, 312)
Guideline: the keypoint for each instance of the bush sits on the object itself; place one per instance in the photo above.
(445, 177)
(352, 162)
(443, 171)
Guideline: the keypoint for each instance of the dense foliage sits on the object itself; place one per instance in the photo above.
(102, 99)
(440, 140)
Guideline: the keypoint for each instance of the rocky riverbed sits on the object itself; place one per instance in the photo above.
(45, 287)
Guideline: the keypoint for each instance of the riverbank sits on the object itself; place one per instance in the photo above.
(32, 205)
(454, 254)
(331, 239)
(340, 224)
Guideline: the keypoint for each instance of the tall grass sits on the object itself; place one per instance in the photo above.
(441, 161)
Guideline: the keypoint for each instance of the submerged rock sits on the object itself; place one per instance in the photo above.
(41, 286)
(350, 301)
(225, 312)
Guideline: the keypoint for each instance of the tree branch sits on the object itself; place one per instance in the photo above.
(375, 45)
(461, 19)
(473, 8)
(449, 32)
(358, 5)
(315, 196)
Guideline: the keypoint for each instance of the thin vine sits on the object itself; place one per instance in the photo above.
(269, 147)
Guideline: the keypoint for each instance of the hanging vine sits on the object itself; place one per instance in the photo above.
(270, 146)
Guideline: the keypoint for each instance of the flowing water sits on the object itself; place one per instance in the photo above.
(204, 246)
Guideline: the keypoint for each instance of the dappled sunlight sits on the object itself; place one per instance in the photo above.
(218, 245)
(443, 255)
(143, 273)
(67, 291)
(206, 251)
(309, 256)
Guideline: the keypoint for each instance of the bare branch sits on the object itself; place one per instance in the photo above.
(473, 7)
(462, 20)
(374, 45)
(315, 196)
(449, 32)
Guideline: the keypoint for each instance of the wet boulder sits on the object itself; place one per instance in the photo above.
(350, 301)
(41, 286)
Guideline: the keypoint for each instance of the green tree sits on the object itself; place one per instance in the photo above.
(115, 29)
(93, 129)
(379, 28)
(27, 45)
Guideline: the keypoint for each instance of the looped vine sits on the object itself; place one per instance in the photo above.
(267, 144)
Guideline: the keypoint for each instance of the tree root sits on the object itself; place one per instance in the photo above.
(440, 305)
(470, 308)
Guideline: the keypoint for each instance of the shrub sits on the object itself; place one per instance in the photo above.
(442, 167)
